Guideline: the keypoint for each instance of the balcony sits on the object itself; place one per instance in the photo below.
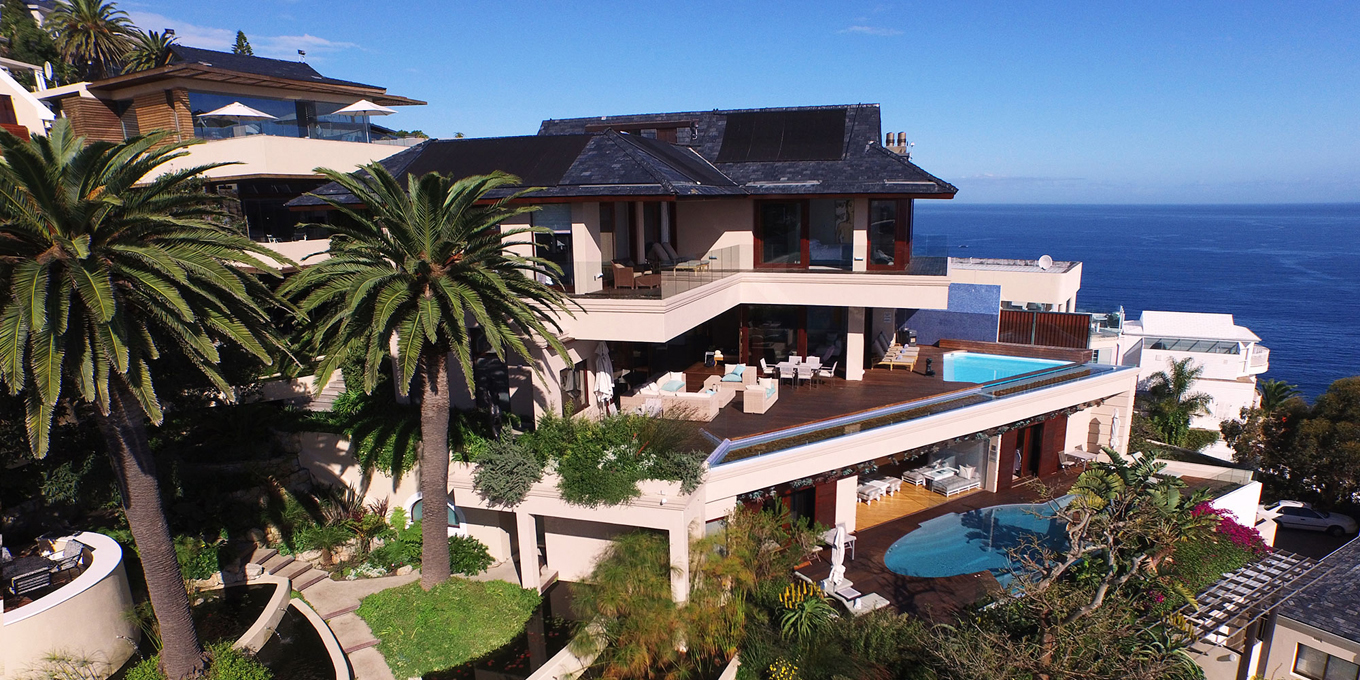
(1259, 359)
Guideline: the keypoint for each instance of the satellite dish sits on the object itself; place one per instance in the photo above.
(1045, 263)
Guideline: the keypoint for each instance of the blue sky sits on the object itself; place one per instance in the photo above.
(1017, 102)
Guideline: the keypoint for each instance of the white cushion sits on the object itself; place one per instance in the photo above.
(669, 250)
(967, 471)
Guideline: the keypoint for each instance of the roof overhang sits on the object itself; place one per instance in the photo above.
(213, 74)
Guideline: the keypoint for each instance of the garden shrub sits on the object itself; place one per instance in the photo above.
(505, 472)
(197, 558)
(226, 664)
(1202, 560)
(467, 555)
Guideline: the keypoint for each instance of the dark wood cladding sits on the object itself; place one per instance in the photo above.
(1019, 350)
(1051, 329)
(92, 119)
(165, 110)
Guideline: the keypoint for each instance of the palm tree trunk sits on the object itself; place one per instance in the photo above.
(125, 436)
(434, 469)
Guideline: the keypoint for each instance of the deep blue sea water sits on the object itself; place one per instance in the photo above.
(1290, 273)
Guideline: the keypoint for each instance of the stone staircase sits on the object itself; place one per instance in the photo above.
(333, 389)
(336, 602)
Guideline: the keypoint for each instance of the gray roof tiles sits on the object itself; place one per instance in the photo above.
(1332, 603)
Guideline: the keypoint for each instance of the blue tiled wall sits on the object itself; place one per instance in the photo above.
(973, 314)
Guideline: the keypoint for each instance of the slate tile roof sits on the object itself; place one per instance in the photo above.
(589, 157)
(1332, 603)
(260, 66)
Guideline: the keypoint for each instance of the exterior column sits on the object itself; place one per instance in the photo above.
(639, 247)
(679, 538)
(860, 236)
(527, 530)
(847, 501)
(854, 344)
(666, 224)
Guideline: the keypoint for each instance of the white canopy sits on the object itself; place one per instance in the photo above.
(238, 111)
(363, 107)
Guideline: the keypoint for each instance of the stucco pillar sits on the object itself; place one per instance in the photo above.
(854, 344)
(679, 538)
(527, 530)
(860, 236)
(847, 501)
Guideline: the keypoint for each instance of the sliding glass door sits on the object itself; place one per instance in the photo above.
(780, 237)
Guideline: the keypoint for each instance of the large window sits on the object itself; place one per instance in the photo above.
(779, 233)
(1319, 665)
(889, 234)
(831, 227)
(292, 118)
(1193, 345)
(555, 246)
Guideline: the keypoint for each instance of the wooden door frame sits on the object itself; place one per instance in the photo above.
(804, 248)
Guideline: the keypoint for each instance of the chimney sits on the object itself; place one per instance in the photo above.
(896, 142)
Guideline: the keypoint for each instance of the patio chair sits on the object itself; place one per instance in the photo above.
(766, 370)
(796, 358)
(805, 374)
(624, 277)
(70, 556)
(823, 373)
(788, 373)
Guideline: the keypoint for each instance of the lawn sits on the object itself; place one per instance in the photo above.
(457, 621)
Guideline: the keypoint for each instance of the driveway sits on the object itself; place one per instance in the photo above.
(1314, 544)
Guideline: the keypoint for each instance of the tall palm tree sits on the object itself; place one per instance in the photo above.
(425, 264)
(100, 278)
(93, 35)
(1171, 404)
(149, 50)
(1274, 393)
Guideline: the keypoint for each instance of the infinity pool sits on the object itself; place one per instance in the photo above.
(979, 540)
(981, 368)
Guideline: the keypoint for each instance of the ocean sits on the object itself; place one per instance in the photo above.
(1290, 273)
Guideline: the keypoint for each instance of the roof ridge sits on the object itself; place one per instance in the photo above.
(632, 150)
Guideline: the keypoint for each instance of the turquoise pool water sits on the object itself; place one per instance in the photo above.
(978, 540)
(981, 368)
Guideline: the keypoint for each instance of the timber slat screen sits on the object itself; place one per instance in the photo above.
(1051, 329)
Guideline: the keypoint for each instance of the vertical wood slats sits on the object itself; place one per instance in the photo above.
(91, 119)
(1050, 329)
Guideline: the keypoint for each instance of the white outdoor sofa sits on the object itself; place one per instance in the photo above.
(965, 480)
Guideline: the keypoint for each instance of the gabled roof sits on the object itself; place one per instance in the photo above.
(1332, 603)
(826, 150)
(792, 150)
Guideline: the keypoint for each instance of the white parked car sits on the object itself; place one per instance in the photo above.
(1300, 515)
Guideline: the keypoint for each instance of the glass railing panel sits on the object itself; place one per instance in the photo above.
(929, 255)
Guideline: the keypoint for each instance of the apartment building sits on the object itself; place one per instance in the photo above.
(781, 241)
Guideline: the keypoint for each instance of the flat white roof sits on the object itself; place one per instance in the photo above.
(1197, 325)
(1006, 265)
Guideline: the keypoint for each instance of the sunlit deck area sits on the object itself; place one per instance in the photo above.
(799, 405)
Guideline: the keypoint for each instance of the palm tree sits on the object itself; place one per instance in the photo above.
(149, 50)
(101, 278)
(92, 35)
(424, 264)
(1274, 393)
(1171, 404)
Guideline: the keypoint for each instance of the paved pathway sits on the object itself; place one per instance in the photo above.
(336, 602)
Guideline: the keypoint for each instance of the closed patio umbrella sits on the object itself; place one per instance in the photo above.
(366, 108)
(604, 378)
(837, 557)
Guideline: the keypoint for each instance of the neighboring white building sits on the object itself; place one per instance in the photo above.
(1230, 355)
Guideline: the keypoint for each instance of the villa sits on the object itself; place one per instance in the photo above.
(289, 122)
(755, 270)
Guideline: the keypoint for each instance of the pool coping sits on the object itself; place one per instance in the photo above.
(338, 660)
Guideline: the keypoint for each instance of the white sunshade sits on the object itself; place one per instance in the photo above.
(238, 111)
(363, 107)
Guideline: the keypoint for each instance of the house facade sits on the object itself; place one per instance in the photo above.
(1230, 355)
(695, 242)
(273, 156)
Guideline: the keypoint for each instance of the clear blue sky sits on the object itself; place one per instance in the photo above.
(1080, 102)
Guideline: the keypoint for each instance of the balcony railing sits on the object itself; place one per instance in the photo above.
(728, 450)
(1260, 357)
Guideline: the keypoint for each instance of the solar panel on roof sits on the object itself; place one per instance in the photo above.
(806, 135)
(536, 160)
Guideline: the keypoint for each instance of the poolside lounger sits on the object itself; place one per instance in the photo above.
(954, 484)
(869, 493)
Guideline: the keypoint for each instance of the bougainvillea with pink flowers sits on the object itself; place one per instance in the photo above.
(1243, 537)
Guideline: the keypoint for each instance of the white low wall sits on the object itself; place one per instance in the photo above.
(85, 618)
(1241, 502)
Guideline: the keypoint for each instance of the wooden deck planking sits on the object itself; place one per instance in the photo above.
(837, 397)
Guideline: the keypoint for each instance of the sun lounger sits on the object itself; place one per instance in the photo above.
(869, 492)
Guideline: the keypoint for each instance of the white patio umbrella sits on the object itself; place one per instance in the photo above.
(604, 378)
(366, 108)
(837, 557)
(238, 112)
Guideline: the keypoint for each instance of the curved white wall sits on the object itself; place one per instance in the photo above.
(84, 618)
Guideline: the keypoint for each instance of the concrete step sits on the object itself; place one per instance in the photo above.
(262, 555)
(277, 562)
(352, 633)
(369, 664)
(294, 570)
(309, 578)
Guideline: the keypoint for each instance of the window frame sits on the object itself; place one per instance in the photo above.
(758, 229)
(1326, 664)
(901, 236)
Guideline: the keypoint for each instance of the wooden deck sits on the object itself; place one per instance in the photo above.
(937, 599)
(837, 397)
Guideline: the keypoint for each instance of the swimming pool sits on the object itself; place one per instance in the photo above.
(978, 540)
(981, 368)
